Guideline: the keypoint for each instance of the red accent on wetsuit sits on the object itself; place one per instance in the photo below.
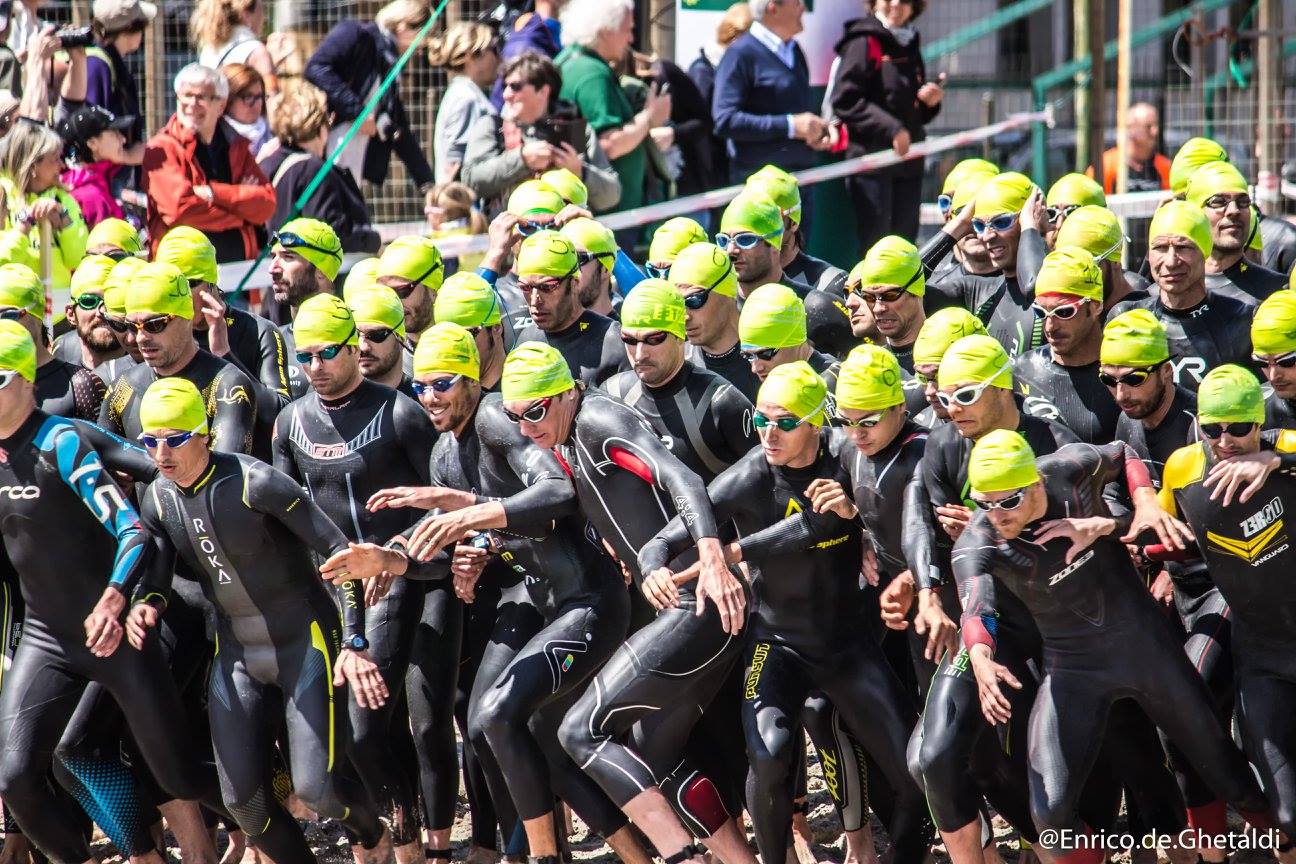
(1210, 819)
(1161, 552)
(1136, 474)
(975, 633)
(563, 463)
(701, 800)
(628, 461)
(1259, 820)
(1094, 855)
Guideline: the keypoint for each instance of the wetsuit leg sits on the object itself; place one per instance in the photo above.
(559, 659)
(716, 743)
(376, 744)
(841, 760)
(40, 694)
(570, 784)
(1133, 749)
(877, 710)
(1066, 726)
(1266, 701)
(774, 691)
(479, 620)
(630, 729)
(431, 684)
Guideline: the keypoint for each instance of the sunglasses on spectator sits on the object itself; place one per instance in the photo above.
(289, 240)
(654, 338)
(1282, 361)
(1062, 312)
(863, 423)
(179, 439)
(441, 385)
(328, 352)
(515, 85)
(89, 302)
(1214, 431)
(999, 223)
(1132, 378)
(1012, 502)
(533, 414)
(153, 326)
(1053, 214)
(251, 98)
(744, 239)
(766, 354)
(1222, 202)
(967, 396)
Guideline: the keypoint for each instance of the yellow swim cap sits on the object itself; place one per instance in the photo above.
(172, 403)
(118, 281)
(1001, 461)
(752, 211)
(546, 253)
(1212, 179)
(313, 240)
(363, 274)
(1194, 153)
(594, 238)
(535, 198)
(570, 188)
(869, 380)
(673, 236)
(21, 288)
(446, 348)
(1230, 394)
(892, 261)
(705, 265)
(773, 317)
(159, 289)
(414, 259)
(975, 360)
(191, 251)
(17, 350)
(965, 170)
(468, 300)
(1181, 219)
(1070, 270)
(1095, 230)
(942, 329)
(1073, 189)
(654, 304)
(1003, 193)
(377, 306)
(117, 233)
(534, 370)
(91, 274)
(780, 187)
(324, 319)
(1134, 338)
(796, 387)
(1273, 329)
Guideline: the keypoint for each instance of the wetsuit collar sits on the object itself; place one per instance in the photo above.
(723, 355)
(906, 431)
(341, 401)
(204, 477)
(1191, 311)
(181, 372)
(677, 382)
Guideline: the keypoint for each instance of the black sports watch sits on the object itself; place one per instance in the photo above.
(356, 643)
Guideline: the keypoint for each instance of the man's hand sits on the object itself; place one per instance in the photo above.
(213, 312)
(355, 669)
(1149, 515)
(466, 565)
(503, 237)
(363, 561)
(808, 127)
(1032, 213)
(960, 224)
(376, 588)
(660, 589)
(1163, 588)
(142, 618)
(942, 633)
(432, 535)
(717, 584)
(954, 518)
(931, 93)
(896, 600)
(538, 155)
(901, 142)
(566, 156)
(1246, 473)
(989, 674)
(828, 496)
(657, 106)
(419, 497)
(872, 575)
(570, 212)
(369, 128)
(1082, 531)
(102, 626)
(663, 137)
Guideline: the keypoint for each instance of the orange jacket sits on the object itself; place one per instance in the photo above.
(1110, 167)
(171, 171)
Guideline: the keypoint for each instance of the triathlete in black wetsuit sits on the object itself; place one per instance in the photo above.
(1060, 380)
(631, 729)
(806, 629)
(1233, 489)
(959, 271)
(518, 483)
(55, 481)
(942, 329)
(114, 316)
(304, 261)
(158, 299)
(772, 332)
(1224, 196)
(1273, 339)
(1204, 330)
(1098, 231)
(1053, 542)
(343, 442)
(705, 276)
(250, 532)
(91, 341)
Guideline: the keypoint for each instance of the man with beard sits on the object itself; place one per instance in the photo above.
(91, 342)
(468, 300)
(304, 261)
(1204, 329)
(706, 277)
(412, 267)
(891, 287)
(114, 315)
(380, 323)
(62, 388)
(1222, 193)
(596, 249)
(546, 266)
(1273, 339)
(954, 254)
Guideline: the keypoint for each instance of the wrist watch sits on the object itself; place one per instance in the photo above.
(356, 643)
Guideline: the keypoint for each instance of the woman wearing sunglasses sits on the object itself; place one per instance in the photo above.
(806, 634)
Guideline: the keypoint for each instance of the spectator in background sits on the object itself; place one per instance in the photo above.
(229, 31)
(199, 172)
(1148, 170)
(11, 68)
(348, 66)
(504, 150)
(762, 104)
(538, 31)
(686, 139)
(453, 215)
(31, 160)
(245, 109)
(598, 34)
(25, 22)
(736, 21)
(299, 119)
(467, 50)
(119, 27)
(96, 142)
(883, 98)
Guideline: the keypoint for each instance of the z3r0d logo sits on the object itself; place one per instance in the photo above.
(1263, 536)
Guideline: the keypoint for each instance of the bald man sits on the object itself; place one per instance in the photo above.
(1148, 169)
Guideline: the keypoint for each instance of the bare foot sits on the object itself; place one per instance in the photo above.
(860, 848)
(803, 839)
(381, 853)
(482, 855)
(17, 849)
(299, 810)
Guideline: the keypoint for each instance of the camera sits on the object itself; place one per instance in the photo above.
(75, 37)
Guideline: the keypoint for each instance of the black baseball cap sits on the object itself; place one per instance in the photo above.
(88, 121)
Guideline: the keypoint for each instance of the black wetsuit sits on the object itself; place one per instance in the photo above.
(69, 390)
(1103, 638)
(1070, 395)
(631, 729)
(250, 532)
(1212, 333)
(1250, 558)
(818, 274)
(592, 346)
(948, 282)
(1279, 237)
(343, 452)
(731, 366)
(805, 634)
(258, 349)
(915, 399)
(228, 394)
(110, 370)
(1280, 413)
(1245, 281)
(65, 526)
(1003, 303)
(534, 667)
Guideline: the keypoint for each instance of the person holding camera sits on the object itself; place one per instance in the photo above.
(349, 65)
(534, 133)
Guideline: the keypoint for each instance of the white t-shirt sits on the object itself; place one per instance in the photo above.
(238, 49)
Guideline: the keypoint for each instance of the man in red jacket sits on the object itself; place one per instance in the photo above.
(199, 172)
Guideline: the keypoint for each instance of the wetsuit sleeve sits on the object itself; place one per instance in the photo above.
(791, 535)
(281, 445)
(1108, 463)
(633, 447)
(549, 494)
(109, 413)
(976, 586)
(935, 251)
(232, 407)
(155, 586)
(118, 454)
(414, 435)
(273, 371)
(734, 488)
(81, 469)
(919, 532)
(1030, 257)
